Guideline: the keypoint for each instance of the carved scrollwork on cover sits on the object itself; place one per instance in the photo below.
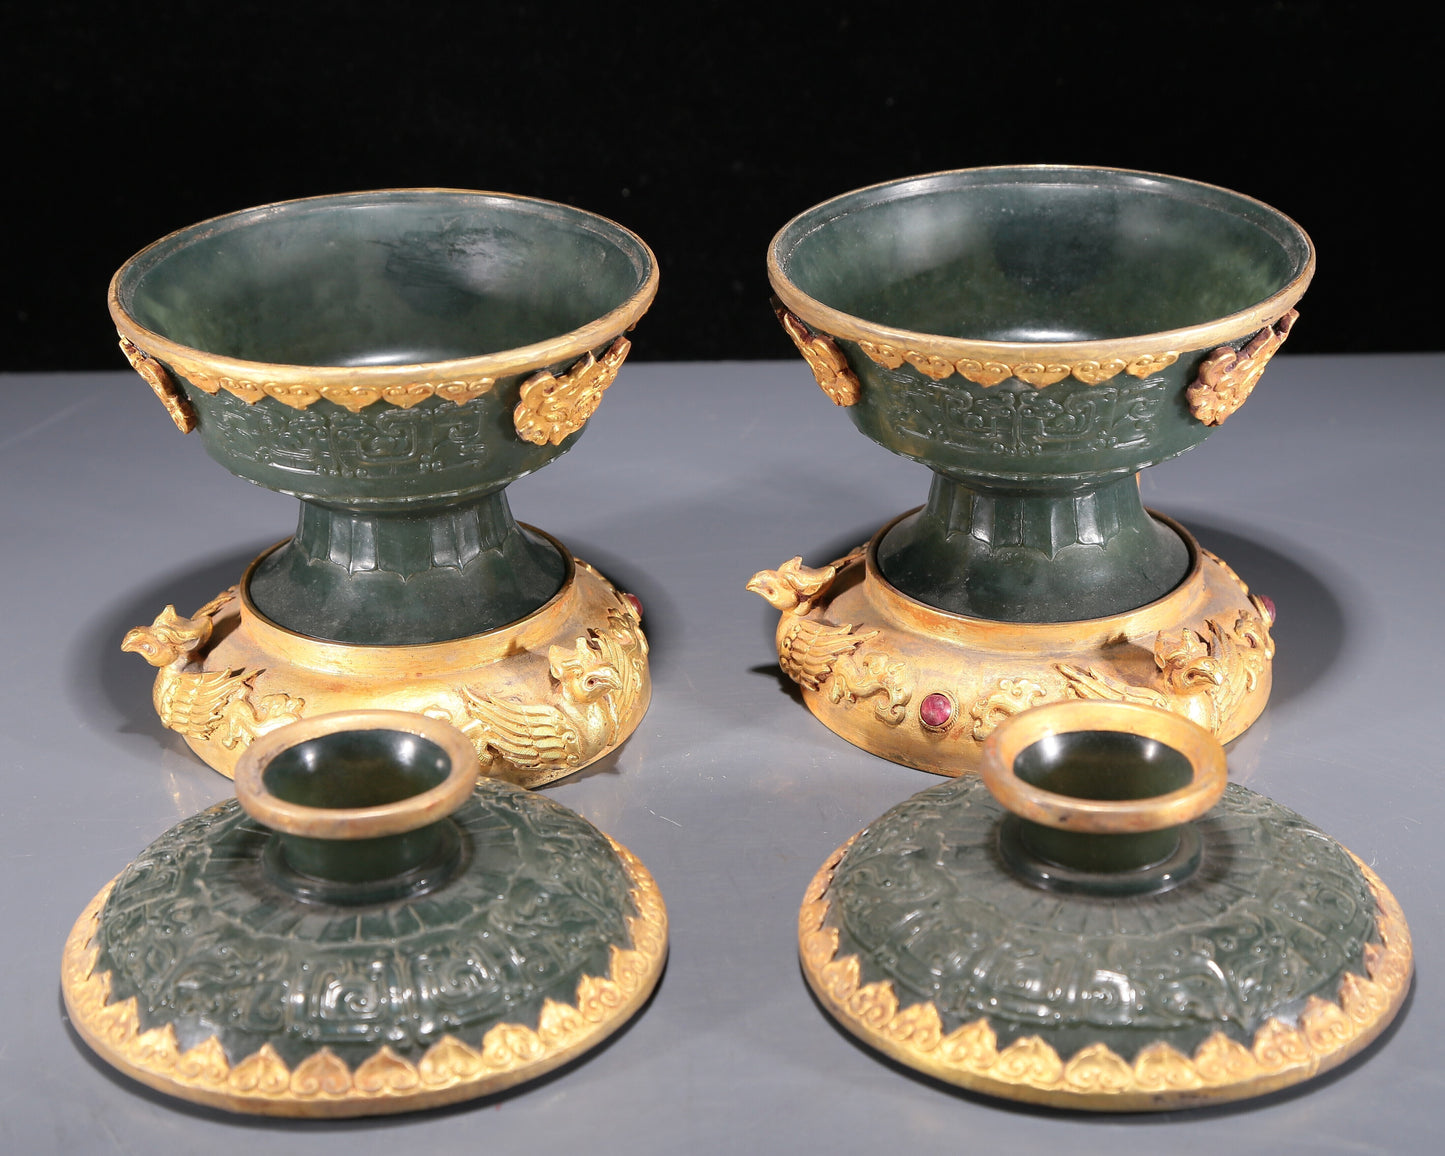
(1011, 1000)
(314, 1028)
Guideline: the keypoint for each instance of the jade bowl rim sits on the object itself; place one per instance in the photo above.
(348, 823)
(505, 363)
(1206, 335)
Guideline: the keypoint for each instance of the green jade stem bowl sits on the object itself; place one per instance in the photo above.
(393, 359)
(1036, 336)
(367, 927)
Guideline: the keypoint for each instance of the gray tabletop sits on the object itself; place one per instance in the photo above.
(1323, 493)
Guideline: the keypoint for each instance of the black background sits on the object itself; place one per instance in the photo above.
(704, 127)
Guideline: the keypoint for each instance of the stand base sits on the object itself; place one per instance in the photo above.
(1251, 976)
(273, 1006)
(923, 687)
(539, 698)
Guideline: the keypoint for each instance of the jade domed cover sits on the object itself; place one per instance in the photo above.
(300, 974)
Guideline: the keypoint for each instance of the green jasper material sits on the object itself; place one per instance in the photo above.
(405, 536)
(1102, 855)
(406, 574)
(197, 930)
(1042, 253)
(1275, 912)
(362, 768)
(1033, 515)
(1101, 765)
(379, 457)
(398, 277)
(356, 768)
(1016, 557)
(1014, 436)
(377, 869)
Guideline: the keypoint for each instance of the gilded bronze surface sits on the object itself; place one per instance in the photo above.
(262, 382)
(824, 358)
(539, 699)
(1112, 815)
(925, 688)
(1228, 376)
(154, 374)
(552, 408)
(984, 372)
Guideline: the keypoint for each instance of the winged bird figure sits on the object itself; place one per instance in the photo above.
(599, 681)
(807, 650)
(204, 704)
(1204, 676)
(811, 652)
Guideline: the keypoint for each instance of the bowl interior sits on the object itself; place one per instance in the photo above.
(1103, 765)
(1041, 254)
(361, 768)
(390, 278)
